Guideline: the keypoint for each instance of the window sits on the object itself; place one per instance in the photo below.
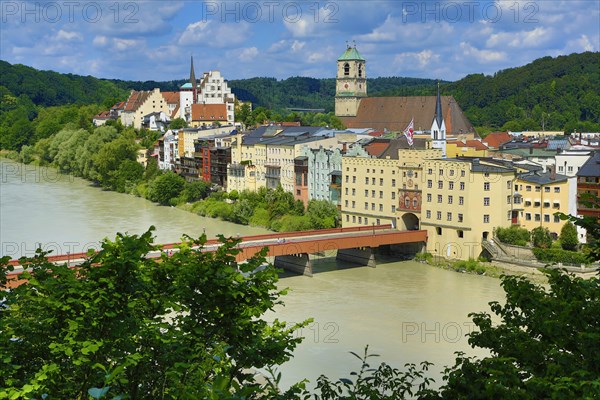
(546, 217)
(416, 174)
(461, 200)
(528, 188)
(380, 181)
(450, 199)
(438, 230)
(393, 183)
(354, 218)
(507, 199)
(537, 204)
(556, 189)
(407, 202)
(428, 214)
(373, 193)
(537, 188)
(372, 181)
(372, 206)
(366, 221)
(347, 177)
(508, 185)
(527, 216)
(460, 218)
(354, 179)
(367, 180)
(366, 205)
(508, 215)
(537, 217)
(460, 233)
(546, 204)
(439, 215)
(346, 203)
(440, 184)
(556, 205)
(380, 207)
(547, 189)
(393, 195)
(441, 172)
(462, 186)
(415, 203)
(366, 193)
(486, 186)
(353, 204)
(429, 183)
(486, 219)
(462, 173)
(527, 203)
(353, 192)
(429, 197)
(486, 201)
(429, 171)
(439, 198)
(346, 190)
(556, 219)
(393, 208)
(360, 220)
(450, 185)
(560, 168)
(451, 172)
(347, 218)
(449, 216)
(381, 194)
(378, 221)
(570, 168)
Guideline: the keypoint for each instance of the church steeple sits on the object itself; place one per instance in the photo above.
(351, 82)
(192, 74)
(438, 126)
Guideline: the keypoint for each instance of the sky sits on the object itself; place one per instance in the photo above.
(153, 40)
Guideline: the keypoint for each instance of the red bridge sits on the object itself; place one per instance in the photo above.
(291, 249)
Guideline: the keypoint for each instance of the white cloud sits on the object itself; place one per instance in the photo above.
(420, 59)
(482, 56)
(67, 36)
(583, 43)
(248, 54)
(537, 37)
(297, 46)
(212, 34)
(100, 41)
(125, 44)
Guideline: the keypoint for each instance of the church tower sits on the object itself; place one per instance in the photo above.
(438, 126)
(351, 82)
(188, 95)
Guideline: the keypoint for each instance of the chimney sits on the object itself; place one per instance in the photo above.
(552, 172)
(344, 147)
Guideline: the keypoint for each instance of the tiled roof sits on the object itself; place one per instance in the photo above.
(591, 168)
(136, 99)
(171, 97)
(496, 139)
(476, 144)
(377, 147)
(209, 112)
(175, 112)
(102, 115)
(118, 106)
(401, 143)
(395, 113)
(542, 178)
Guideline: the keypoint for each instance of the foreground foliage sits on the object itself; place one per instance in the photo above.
(186, 326)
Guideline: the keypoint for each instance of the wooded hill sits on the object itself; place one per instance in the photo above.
(561, 93)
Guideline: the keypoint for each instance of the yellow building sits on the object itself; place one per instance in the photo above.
(542, 195)
(466, 148)
(265, 157)
(464, 199)
(141, 103)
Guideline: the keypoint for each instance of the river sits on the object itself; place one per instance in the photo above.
(405, 311)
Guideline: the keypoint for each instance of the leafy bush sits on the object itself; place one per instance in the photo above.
(470, 265)
(291, 223)
(559, 255)
(568, 237)
(427, 257)
(513, 235)
(541, 237)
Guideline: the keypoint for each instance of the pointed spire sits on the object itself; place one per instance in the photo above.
(438, 107)
(192, 74)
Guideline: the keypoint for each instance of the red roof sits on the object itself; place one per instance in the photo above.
(175, 112)
(102, 115)
(135, 100)
(209, 112)
(377, 147)
(171, 97)
(497, 139)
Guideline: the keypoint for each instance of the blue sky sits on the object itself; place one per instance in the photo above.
(153, 40)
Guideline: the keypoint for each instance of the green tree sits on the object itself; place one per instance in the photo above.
(165, 187)
(195, 191)
(568, 237)
(540, 237)
(124, 324)
(322, 214)
(544, 347)
(178, 123)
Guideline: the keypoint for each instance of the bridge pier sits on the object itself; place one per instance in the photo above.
(362, 256)
(408, 249)
(298, 263)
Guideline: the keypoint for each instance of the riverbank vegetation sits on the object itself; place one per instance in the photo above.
(190, 325)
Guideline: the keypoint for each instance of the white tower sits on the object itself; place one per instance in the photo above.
(351, 82)
(438, 126)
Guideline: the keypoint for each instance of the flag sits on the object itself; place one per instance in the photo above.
(408, 132)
